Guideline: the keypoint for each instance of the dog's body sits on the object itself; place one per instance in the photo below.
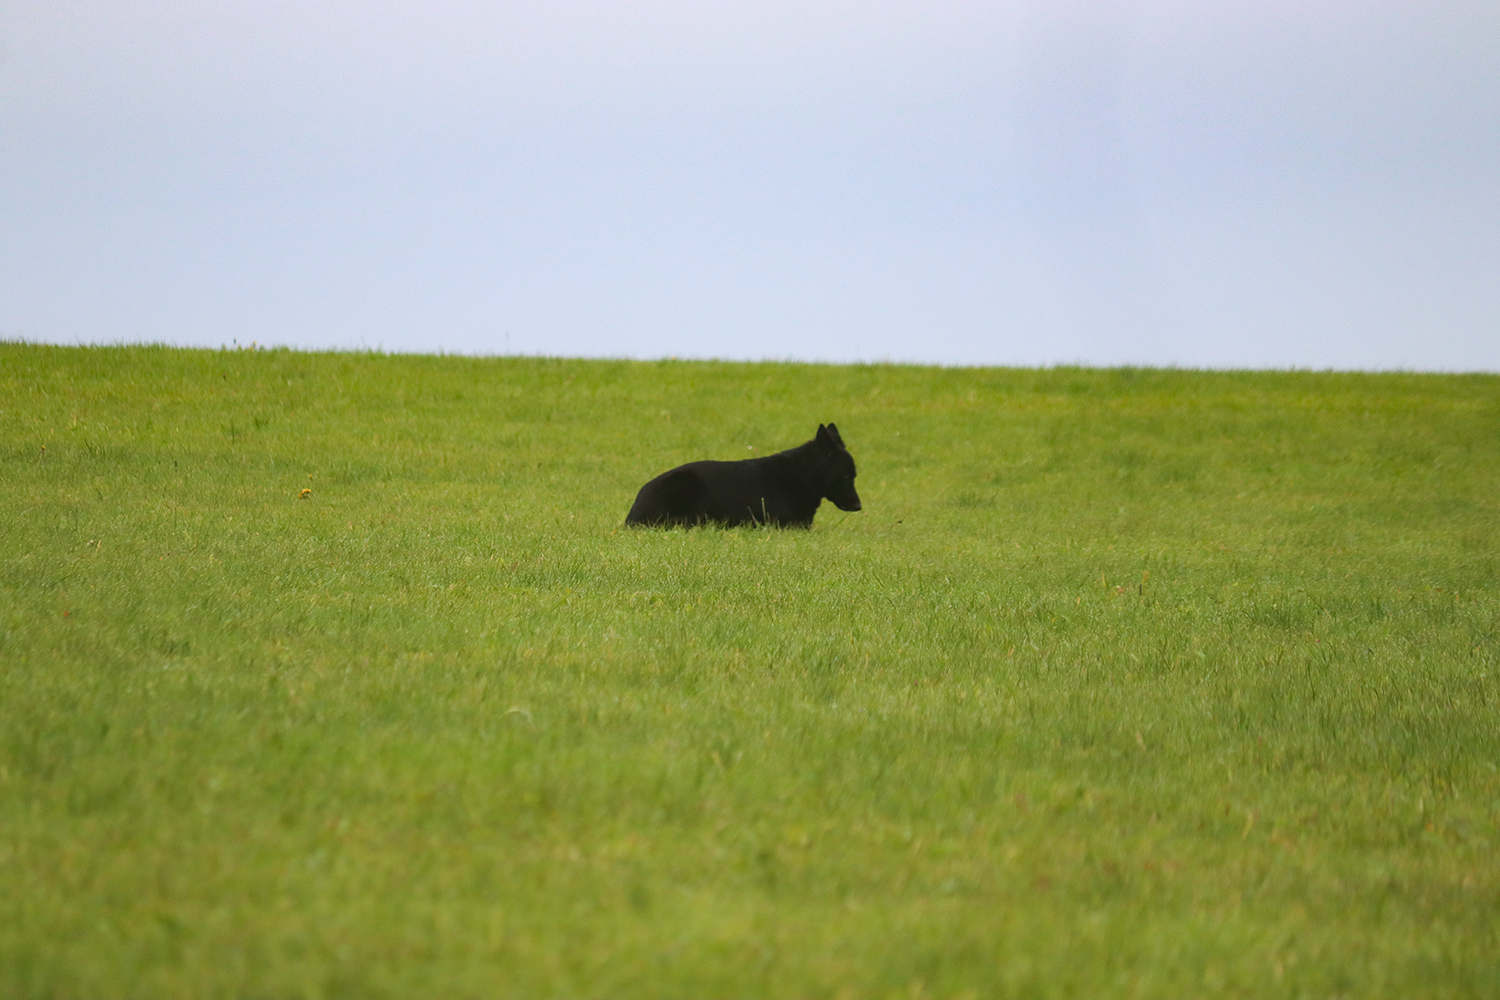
(782, 490)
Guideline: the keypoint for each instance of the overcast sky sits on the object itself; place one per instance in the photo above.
(1243, 183)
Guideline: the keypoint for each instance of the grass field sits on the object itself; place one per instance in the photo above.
(1125, 683)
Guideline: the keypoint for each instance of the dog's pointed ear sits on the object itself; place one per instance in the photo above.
(833, 432)
(825, 440)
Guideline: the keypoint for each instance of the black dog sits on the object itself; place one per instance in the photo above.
(783, 490)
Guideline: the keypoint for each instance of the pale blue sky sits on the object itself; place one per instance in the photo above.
(1227, 183)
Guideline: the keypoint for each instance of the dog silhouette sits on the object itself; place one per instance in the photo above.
(781, 490)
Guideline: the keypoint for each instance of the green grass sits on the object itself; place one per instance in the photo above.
(1125, 683)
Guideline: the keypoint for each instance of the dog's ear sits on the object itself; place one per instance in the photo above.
(833, 432)
(825, 440)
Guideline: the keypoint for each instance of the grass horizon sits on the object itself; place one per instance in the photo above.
(1077, 363)
(1127, 681)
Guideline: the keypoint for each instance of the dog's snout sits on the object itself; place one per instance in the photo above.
(849, 501)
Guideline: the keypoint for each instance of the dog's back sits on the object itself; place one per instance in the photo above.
(784, 489)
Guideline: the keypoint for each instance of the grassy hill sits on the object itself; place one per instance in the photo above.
(1124, 683)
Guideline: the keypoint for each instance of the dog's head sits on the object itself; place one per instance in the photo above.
(838, 468)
